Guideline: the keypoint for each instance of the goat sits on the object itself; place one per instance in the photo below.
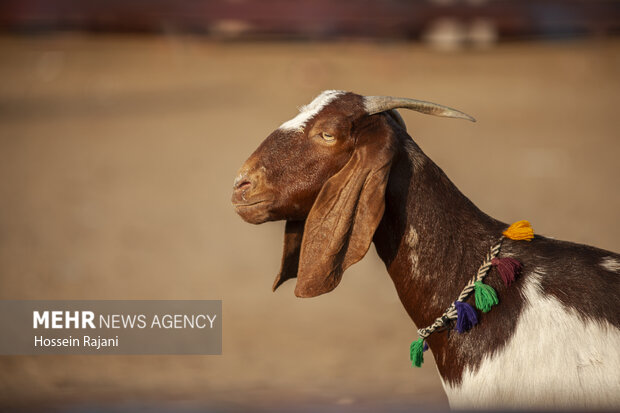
(344, 173)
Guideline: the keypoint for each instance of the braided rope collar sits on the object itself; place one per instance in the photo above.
(485, 296)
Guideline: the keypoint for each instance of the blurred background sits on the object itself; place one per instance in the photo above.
(122, 126)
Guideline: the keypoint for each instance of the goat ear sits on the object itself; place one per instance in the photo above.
(346, 213)
(293, 234)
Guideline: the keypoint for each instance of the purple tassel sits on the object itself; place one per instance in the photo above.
(425, 347)
(508, 268)
(466, 316)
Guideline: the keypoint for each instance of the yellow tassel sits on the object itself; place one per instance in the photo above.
(520, 231)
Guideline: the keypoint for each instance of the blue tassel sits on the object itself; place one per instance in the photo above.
(466, 316)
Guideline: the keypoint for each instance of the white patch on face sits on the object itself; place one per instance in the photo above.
(555, 359)
(413, 240)
(311, 110)
(611, 264)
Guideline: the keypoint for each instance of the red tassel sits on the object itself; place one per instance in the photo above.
(508, 268)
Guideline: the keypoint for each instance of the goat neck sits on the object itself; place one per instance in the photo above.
(442, 240)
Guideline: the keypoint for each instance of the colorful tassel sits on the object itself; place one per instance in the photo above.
(415, 352)
(486, 297)
(508, 268)
(466, 316)
(520, 231)
(425, 347)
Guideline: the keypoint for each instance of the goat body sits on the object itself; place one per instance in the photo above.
(554, 340)
(343, 176)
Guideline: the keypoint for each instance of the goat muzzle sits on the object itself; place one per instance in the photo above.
(249, 200)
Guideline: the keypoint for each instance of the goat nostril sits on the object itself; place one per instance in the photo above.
(243, 185)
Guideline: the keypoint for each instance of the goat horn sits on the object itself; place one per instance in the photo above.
(376, 104)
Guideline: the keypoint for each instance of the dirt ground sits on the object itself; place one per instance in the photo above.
(117, 156)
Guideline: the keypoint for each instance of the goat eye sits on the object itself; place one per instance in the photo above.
(327, 137)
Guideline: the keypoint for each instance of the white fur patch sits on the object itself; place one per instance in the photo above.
(611, 264)
(412, 240)
(555, 359)
(311, 110)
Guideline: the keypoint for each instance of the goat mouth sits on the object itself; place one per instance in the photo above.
(254, 212)
(249, 203)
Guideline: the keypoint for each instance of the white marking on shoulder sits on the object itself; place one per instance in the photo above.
(311, 110)
(554, 359)
(611, 264)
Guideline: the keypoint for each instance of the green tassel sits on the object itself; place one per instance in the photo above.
(415, 352)
(485, 296)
